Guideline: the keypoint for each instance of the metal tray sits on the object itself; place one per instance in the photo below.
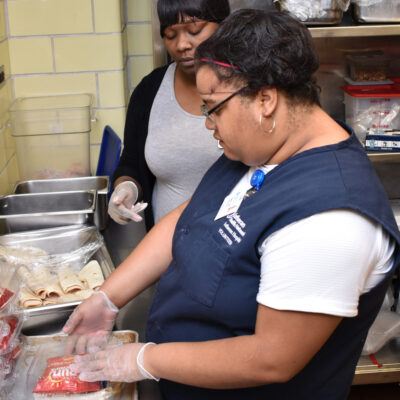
(99, 183)
(24, 212)
(37, 349)
(386, 11)
(50, 318)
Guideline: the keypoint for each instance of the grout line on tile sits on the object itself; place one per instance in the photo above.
(6, 17)
(138, 23)
(58, 35)
(53, 54)
(93, 18)
(125, 6)
(97, 89)
(42, 74)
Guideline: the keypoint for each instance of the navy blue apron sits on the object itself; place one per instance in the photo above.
(209, 290)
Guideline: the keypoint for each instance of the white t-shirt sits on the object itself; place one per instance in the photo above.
(322, 263)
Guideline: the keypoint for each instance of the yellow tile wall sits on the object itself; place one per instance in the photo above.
(103, 47)
(139, 41)
(65, 46)
(49, 17)
(31, 55)
(7, 148)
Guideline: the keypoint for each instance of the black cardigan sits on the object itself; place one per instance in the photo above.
(132, 162)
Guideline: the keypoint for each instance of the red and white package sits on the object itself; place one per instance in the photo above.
(59, 379)
(5, 296)
(8, 330)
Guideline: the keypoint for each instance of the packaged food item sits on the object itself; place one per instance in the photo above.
(59, 379)
(10, 285)
(9, 330)
(5, 296)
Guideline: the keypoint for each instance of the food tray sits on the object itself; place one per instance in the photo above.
(24, 212)
(56, 241)
(98, 183)
(37, 349)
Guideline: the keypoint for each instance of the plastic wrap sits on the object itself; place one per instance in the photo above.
(33, 361)
(385, 327)
(49, 266)
(10, 286)
(306, 10)
(372, 121)
(366, 3)
(58, 250)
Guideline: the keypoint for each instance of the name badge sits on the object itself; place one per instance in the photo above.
(230, 205)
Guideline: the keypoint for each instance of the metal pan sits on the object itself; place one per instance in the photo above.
(99, 183)
(24, 212)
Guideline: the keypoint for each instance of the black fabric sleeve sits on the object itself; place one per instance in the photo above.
(132, 162)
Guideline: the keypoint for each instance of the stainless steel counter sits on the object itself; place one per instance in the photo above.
(120, 241)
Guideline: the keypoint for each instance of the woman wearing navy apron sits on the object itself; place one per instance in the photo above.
(271, 275)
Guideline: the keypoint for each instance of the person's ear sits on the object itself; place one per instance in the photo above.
(268, 99)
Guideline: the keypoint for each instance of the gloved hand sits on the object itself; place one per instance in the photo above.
(91, 323)
(122, 208)
(123, 363)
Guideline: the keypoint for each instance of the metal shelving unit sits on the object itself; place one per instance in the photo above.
(385, 367)
(355, 31)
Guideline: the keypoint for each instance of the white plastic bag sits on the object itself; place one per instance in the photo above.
(385, 327)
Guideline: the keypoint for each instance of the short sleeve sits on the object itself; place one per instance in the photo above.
(323, 263)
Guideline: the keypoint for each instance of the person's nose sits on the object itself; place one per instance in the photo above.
(183, 42)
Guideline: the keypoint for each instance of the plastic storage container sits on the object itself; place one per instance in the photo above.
(365, 68)
(380, 11)
(52, 135)
(372, 109)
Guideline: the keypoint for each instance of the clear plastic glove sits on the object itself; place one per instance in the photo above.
(116, 364)
(122, 208)
(91, 323)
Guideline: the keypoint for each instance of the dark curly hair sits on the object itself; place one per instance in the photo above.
(267, 48)
(171, 12)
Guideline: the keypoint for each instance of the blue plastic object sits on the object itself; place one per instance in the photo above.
(110, 152)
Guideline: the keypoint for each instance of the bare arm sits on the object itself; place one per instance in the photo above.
(147, 262)
(282, 345)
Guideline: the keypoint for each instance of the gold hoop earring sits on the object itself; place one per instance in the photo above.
(264, 131)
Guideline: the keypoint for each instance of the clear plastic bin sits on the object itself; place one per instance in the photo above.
(372, 109)
(364, 68)
(52, 135)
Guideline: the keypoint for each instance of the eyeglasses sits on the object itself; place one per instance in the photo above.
(207, 113)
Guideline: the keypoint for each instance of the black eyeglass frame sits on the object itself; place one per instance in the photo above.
(207, 113)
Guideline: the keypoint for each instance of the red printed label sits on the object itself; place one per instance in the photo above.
(58, 378)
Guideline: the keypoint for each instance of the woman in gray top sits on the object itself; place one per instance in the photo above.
(167, 148)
